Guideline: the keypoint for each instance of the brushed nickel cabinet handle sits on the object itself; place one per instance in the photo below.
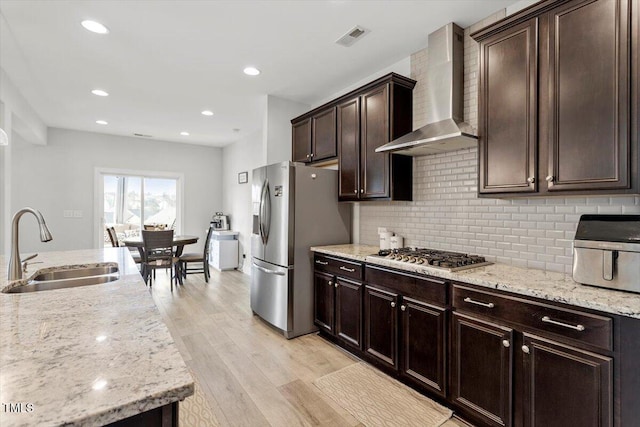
(506, 343)
(483, 304)
(531, 180)
(550, 178)
(330, 283)
(393, 304)
(336, 284)
(362, 190)
(321, 262)
(403, 307)
(547, 319)
(355, 191)
(525, 349)
(308, 155)
(350, 270)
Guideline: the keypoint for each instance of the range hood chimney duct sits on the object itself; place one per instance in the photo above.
(446, 130)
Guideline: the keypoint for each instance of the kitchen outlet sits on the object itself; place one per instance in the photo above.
(67, 214)
(77, 214)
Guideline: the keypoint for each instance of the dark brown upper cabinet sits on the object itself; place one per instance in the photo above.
(558, 100)
(365, 119)
(301, 134)
(314, 138)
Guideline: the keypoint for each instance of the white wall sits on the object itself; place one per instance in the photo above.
(60, 176)
(241, 156)
(279, 113)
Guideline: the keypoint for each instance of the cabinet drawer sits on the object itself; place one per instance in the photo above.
(573, 325)
(424, 288)
(338, 266)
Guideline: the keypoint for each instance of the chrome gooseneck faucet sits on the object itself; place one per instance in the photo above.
(15, 271)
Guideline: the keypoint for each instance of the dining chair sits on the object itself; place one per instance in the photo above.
(113, 236)
(158, 253)
(203, 258)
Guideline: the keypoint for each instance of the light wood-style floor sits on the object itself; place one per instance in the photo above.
(250, 374)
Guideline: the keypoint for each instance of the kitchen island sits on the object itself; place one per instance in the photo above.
(89, 355)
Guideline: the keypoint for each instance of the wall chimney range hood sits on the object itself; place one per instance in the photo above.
(446, 130)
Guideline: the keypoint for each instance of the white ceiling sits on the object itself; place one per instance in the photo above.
(165, 61)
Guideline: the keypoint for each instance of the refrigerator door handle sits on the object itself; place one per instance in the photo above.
(261, 214)
(265, 213)
(266, 270)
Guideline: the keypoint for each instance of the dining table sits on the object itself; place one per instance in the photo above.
(179, 242)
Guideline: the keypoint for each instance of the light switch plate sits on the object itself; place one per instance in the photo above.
(77, 214)
(67, 214)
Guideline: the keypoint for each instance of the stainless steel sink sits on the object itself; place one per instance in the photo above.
(75, 273)
(34, 286)
(68, 278)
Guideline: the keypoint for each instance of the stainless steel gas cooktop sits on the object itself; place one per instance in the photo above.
(450, 261)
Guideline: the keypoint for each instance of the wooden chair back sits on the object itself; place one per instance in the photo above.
(113, 236)
(205, 255)
(158, 245)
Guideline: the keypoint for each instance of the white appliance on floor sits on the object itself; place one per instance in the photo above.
(223, 250)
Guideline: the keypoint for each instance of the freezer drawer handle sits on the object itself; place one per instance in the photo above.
(266, 270)
(321, 262)
(484, 304)
(547, 319)
(350, 270)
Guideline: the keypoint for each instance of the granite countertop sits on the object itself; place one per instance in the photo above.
(89, 355)
(547, 285)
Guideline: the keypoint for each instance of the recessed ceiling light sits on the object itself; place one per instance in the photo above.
(95, 27)
(184, 133)
(102, 122)
(99, 92)
(251, 71)
(207, 113)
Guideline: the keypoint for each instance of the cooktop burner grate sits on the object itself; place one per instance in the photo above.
(451, 261)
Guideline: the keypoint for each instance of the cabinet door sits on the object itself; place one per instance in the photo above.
(507, 110)
(565, 386)
(349, 311)
(324, 298)
(323, 135)
(374, 167)
(349, 149)
(381, 325)
(588, 97)
(482, 369)
(423, 344)
(301, 134)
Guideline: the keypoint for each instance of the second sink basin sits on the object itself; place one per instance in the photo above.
(76, 272)
(68, 277)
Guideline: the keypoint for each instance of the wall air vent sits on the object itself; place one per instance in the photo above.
(142, 135)
(353, 35)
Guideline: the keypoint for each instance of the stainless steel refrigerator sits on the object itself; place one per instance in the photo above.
(294, 207)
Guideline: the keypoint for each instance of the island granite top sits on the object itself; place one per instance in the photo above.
(89, 355)
(547, 285)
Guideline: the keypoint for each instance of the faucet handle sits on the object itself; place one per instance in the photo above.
(25, 263)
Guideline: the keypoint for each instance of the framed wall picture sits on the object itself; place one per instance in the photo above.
(243, 177)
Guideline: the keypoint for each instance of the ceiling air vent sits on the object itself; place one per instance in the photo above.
(352, 36)
(142, 135)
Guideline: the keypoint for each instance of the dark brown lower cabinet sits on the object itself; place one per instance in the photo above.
(482, 369)
(424, 329)
(565, 386)
(380, 325)
(349, 311)
(324, 297)
(163, 416)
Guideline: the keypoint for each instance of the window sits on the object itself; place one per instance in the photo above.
(132, 201)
